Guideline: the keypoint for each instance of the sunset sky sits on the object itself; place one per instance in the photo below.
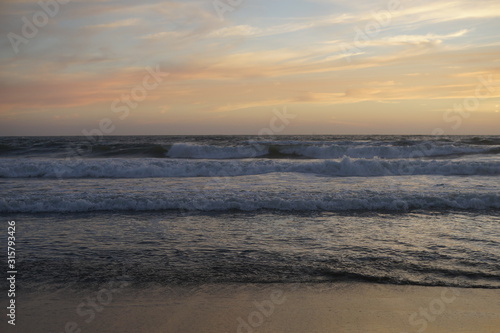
(342, 67)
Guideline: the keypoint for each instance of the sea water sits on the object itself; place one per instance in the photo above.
(208, 209)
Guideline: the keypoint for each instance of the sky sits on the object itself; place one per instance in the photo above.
(85, 67)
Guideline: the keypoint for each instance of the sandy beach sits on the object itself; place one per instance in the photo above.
(251, 308)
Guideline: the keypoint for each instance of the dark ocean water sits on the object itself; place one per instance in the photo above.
(207, 209)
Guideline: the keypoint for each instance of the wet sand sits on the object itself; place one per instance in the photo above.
(300, 308)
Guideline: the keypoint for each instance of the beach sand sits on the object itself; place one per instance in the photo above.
(242, 308)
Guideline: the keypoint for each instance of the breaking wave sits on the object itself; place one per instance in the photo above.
(227, 201)
(149, 168)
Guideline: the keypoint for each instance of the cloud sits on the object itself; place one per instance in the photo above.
(293, 26)
(247, 105)
(424, 11)
(116, 24)
(238, 30)
(429, 50)
(417, 39)
(165, 34)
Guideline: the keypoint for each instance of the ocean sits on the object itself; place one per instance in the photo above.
(176, 210)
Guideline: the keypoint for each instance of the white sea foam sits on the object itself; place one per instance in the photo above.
(37, 203)
(385, 151)
(320, 151)
(147, 168)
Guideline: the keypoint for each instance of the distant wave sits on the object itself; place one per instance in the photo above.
(187, 150)
(148, 168)
(487, 141)
(326, 151)
(144, 150)
(257, 149)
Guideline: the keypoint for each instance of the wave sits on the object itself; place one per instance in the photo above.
(289, 149)
(5, 148)
(187, 150)
(386, 152)
(155, 168)
(128, 151)
(326, 151)
(255, 201)
(487, 141)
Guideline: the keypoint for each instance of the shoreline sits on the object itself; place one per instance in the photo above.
(249, 308)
